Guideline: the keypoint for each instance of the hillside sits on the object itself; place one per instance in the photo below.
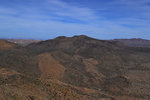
(6, 45)
(75, 68)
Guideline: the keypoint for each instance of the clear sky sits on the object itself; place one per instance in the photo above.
(103, 19)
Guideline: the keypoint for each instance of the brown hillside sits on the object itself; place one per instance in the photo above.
(49, 67)
(6, 45)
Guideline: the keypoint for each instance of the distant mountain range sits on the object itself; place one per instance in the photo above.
(75, 68)
(23, 42)
(135, 42)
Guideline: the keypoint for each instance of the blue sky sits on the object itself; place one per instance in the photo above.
(103, 19)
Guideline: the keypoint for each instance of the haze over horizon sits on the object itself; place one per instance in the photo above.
(45, 19)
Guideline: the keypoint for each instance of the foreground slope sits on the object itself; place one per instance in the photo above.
(76, 68)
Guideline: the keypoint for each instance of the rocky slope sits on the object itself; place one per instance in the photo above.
(75, 68)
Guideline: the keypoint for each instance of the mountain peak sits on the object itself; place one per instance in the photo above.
(81, 37)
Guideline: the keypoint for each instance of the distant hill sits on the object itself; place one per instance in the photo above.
(135, 42)
(75, 68)
(23, 42)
